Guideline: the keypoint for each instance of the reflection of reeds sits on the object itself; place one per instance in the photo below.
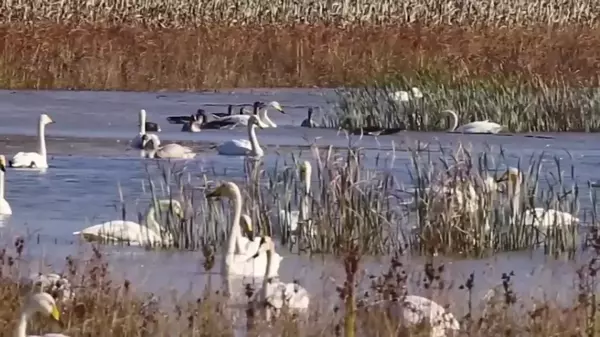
(216, 56)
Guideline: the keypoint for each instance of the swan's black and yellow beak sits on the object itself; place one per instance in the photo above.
(2, 164)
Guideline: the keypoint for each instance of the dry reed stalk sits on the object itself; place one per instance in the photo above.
(44, 56)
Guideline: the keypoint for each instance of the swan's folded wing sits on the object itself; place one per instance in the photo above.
(122, 231)
(24, 159)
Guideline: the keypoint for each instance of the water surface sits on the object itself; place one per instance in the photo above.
(90, 161)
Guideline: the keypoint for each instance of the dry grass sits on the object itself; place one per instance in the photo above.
(103, 307)
(180, 13)
(285, 55)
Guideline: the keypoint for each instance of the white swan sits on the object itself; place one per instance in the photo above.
(309, 122)
(4, 206)
(169, 151)
(275, 295)
(404, 96)
(137, 142)
(244, 147)
(416, 310)
(260, 109)
(52, 283)
(291, 219)
(41, 303)
(473, 127)
(243, 244)
(240, 264)
(34, 159)
(537, 217)
(132, 233)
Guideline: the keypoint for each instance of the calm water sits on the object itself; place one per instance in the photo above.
(89, 159)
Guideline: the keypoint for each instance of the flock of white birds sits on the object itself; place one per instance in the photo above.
(244, 257)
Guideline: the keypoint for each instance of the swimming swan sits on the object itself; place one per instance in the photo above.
(123, 231)
(291, 219)
(41, 303)
(169, 151)
(193, 125)
(308, 122)
(51, 283)
(34, 159)
(275, 295)
(184, 119)
(241, 264)
(259, 109)
(473, 127)
(4, 206)
(137, 142)
(537, 217)
(244, 147)
(416, 310)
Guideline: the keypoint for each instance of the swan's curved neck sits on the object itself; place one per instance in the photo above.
(22, 326)
(455, 120)
(151, 221)
(42, 139)
(515, 199)
(304, 206)
(265, 292)
(265, 118)
(1, 185)
(234, 235)
(142, 118)
(255, 147)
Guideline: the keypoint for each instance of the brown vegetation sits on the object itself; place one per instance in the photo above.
(135, 58)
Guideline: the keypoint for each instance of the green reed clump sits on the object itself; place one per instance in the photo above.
(185, 13)
(458, 213)
(348, 203)
(520, 106)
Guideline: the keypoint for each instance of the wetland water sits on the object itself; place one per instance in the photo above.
(89, 158)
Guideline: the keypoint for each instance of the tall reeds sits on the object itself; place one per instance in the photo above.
(98, 57)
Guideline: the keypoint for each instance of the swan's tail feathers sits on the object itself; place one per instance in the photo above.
(77, 233)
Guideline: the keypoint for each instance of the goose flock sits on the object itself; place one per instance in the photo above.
(244, 257)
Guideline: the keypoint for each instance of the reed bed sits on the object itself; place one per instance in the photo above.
(103, 306)
(99, 57)
(234, 12)
(521, 107)
(369, 210)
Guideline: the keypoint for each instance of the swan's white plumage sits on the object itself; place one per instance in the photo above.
(169, 151)
(42, 303)
(244, 147)
(240, 264)
(123, 231)
(38, 159)
(417, 309)
(546, 218)
(137, 142)
(538, 217)
(245, 245)
(275, 295)
(292, 218)
(51, 283)
(244, 119)
(4, 205)
(473, 127)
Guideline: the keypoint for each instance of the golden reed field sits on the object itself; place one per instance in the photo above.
(147, 45)
(292, 55)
